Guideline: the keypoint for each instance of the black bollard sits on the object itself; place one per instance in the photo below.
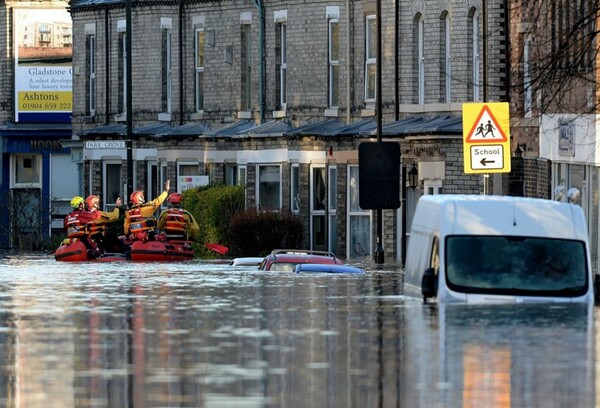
(379, 254)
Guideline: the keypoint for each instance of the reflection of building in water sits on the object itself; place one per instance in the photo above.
(499, 356)
(487, 376)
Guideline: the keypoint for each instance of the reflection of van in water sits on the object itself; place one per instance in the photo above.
(479, 249)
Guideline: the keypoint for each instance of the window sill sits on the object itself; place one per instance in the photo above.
(197, 115)
(164, 117)
(245, 115)
(279, 114)
(332, 112)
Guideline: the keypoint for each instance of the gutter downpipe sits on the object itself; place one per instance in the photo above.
(348, 65)
(396, 59)
(181, 107)
(128, 90)
(106, 66)
(261, 55)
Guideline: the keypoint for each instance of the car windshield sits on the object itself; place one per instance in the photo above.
(282, 266)
(516, 265)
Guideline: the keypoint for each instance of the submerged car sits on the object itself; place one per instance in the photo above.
(286, 259)
(247, 261)
(325, 268)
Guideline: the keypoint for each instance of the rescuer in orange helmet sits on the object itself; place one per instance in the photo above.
(139, 218)
(177, 223)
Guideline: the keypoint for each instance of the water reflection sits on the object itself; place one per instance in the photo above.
(503, 355)
(203, 334)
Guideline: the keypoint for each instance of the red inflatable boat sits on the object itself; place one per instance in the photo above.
(77, 252)
(161, 251)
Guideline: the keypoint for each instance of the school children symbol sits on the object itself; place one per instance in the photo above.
(486, 128)
(486, 137)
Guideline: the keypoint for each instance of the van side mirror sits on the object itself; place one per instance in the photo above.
(597, 289)
(429, 284)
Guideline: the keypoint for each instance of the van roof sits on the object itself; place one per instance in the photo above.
(500, 215)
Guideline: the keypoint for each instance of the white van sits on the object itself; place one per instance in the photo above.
(492, 249)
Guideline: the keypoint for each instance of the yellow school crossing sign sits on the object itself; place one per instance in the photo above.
(486, 137)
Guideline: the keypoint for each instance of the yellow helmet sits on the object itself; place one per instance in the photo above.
(76, 201)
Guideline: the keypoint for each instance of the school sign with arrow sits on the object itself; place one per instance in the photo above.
(486, 137)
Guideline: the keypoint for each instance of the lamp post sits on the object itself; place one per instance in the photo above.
(129, 108)
(413, 180)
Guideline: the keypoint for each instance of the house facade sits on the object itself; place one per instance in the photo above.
(554, 104)
(278, 96)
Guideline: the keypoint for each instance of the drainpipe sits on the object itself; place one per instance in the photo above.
(181, 107)
(261, 52)
(106, 66)
(348, 65)
(396, 59)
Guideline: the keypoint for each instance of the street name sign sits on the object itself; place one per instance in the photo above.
(486, 137)
(105, 144)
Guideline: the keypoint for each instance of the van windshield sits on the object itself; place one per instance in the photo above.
(516, 265)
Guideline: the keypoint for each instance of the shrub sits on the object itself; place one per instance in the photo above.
(257, 233)
(212, 206)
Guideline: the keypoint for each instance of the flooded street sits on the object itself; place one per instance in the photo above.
(205, 334)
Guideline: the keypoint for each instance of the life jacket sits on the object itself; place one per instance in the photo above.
(97, 226)
(75, 227)
(175, 225)
(138, 222)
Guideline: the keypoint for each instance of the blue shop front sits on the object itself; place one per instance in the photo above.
(40, 175)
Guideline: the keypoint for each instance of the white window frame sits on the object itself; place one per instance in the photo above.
(353, 189)
(317, 212)
(370, 59)
(169, 73)
(14, 159)
(91, 60)
(121, 28)
(448, 58)
(295, 201)
(421, 58)
(199, 45)
(432, 187)
(152, 190)
(528, 95)
(283, 67)
(231, 173)
(106, 202)
(334, 65)
(258, 167)
(332, 208)
(242, 178)
(182, 164)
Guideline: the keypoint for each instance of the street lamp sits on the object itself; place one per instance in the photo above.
(413, 177)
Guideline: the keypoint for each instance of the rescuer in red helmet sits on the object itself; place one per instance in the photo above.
(177, 223)
(97, 229)
(139, 218)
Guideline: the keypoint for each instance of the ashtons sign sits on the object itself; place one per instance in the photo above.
(105, 144)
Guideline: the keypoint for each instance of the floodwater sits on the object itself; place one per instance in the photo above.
(205, 334)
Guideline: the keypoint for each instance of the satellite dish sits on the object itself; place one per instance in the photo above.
(559, 192)
(573, 195)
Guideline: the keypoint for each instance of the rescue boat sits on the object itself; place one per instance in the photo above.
(76, 251)
(161, 251)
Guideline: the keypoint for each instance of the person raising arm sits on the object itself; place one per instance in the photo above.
(139, 220)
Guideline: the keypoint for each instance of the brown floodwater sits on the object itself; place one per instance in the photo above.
(205, 334)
